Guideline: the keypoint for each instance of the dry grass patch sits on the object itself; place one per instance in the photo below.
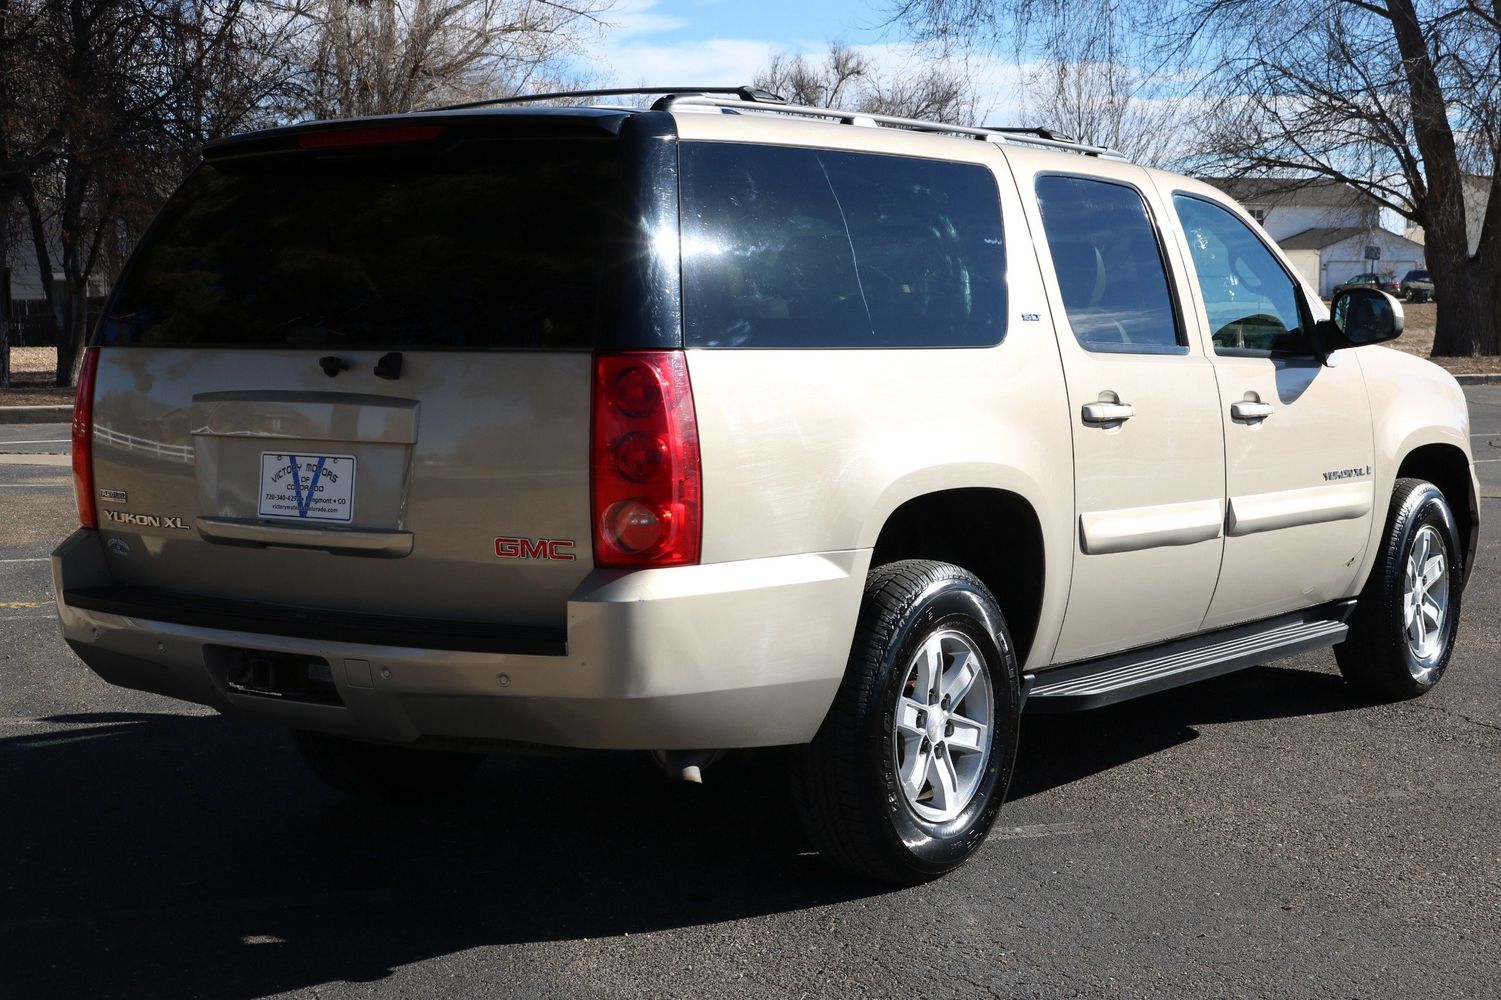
(1417, 338)
(32, 370)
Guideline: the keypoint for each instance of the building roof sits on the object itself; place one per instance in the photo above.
(1290, 192)
(1319, 238)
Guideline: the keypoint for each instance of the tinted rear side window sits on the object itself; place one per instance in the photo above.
(1109, 264)
(500, 244)
(789, 247)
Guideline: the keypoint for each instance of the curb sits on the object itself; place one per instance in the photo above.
(36, 414)
(1478, 379)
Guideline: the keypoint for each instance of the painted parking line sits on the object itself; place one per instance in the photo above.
(34, 459)
(36, 559)
(48, 441)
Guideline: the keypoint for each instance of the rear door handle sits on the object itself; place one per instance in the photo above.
(1108, 413)
(1247, 410)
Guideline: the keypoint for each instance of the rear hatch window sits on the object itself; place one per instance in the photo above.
(359, 382)
(496, 244)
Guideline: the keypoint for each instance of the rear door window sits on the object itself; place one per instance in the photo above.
(792, 247)
(498, 244)
(1108, 260)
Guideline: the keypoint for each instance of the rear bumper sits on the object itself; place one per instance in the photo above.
(725, 655)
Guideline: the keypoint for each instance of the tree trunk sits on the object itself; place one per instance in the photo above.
(72, 330)
(5, 336)
(50, 288)
(1467, 290)
(5, 302)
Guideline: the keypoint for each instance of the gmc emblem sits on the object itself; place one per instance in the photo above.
(559, 549)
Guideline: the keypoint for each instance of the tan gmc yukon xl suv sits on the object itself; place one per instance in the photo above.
(725, 424)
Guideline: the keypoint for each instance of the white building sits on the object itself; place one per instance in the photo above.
(1477, 195)
(1329, 231)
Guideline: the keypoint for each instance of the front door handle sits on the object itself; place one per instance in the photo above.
(1108, 413)
(1248, 410)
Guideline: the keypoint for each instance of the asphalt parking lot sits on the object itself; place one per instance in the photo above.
(1266, 834)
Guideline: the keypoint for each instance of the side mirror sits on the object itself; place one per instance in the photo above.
(1358, 316)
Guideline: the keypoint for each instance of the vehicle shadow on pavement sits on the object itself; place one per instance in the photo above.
(177, 856)
(172, 856)
(1058, 749)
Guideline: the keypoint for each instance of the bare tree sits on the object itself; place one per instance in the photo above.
(224, 66)
(827, 84)
(367, 57)
(105, 104)
(1400, 100)
(73, 136)
(14, 30)
(1108, 104)
(846, 78)
(1397, 103)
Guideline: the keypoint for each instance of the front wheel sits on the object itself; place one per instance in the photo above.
(1402, 634)
(911, 764)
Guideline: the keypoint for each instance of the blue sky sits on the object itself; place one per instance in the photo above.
(777, 21)
(704, 42)
(725, 42)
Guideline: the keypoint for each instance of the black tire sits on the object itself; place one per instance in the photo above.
(849, 796)
(383, 771)
(1379, 656)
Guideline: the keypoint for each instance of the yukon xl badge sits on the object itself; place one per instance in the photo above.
(145, 520)
(1347, 474)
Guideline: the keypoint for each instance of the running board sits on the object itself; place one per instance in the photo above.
(1087, 684)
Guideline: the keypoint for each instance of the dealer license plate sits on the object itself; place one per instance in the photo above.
(307, 487)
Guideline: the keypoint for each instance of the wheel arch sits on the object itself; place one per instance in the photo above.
(997, 534)
(1448, 467)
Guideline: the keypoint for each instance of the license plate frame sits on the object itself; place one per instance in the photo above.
(322, 489)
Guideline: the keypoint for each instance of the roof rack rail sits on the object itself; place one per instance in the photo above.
(1024, 136)
(745, 94)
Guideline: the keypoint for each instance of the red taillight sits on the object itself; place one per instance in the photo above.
(355, 138)
(647, 486)
(83, 440)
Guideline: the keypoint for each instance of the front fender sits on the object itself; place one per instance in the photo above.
(1414, 404)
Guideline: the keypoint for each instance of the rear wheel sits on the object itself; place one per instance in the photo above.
(382, 771)
(1402, 633)
(911, 764)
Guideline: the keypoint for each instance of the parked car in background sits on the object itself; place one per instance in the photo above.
(1417, 286)
(1385, 282)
